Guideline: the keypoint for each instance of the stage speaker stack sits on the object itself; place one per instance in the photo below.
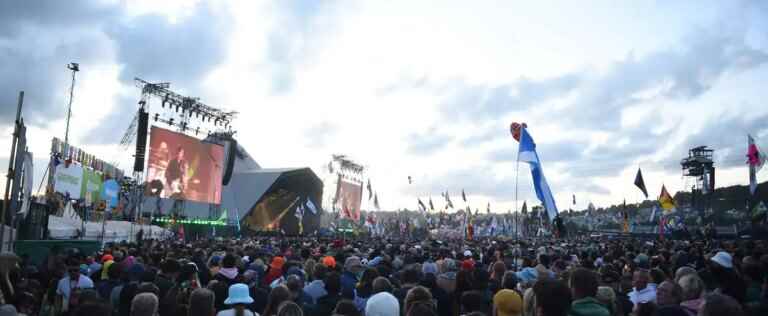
(231, 156)
(141, 141)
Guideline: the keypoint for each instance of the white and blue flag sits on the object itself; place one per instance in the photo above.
(527, 153)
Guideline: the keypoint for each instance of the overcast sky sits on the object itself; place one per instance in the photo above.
(425, 89)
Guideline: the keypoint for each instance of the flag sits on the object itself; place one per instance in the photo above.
(421, 205)
(653, 214)
(494, 225)
(410, 181)
(463, 196)
(488, 208)
(666, 201)
(515, 129)
(525, 208)
(311, 206)
(755, 160)
(574, 199)
(527, 153)
(376, 202)
(370, 192)
(431, 206)
(330, 167)
(640, 184)
(448, 200)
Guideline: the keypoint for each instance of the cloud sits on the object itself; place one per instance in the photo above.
(682, 73)
(158, 50)
(318, 135)
(37, 40)
(477, 101)
(727, 135)
(292, 39)
(427, 143)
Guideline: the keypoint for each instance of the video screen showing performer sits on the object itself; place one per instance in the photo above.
(183, 167)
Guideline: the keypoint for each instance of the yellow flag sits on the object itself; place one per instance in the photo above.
(666, 201)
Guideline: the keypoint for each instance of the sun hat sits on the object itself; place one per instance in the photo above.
(723, 259)
(467, 253)
(382, 304)
(238, 294)
(508, 303)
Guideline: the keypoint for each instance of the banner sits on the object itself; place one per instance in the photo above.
(28, 181)
(109, 192)
(69, 180)
(91, 185)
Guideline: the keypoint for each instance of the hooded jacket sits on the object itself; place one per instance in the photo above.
(588, 306)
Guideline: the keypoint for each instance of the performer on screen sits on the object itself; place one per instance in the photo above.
(176, 174)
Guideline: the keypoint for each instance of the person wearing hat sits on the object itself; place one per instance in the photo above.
(275, 270)
(727, 280)
(237, 299)
(382, 304)
(507, 303)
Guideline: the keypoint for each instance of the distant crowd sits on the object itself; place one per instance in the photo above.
(393, 277)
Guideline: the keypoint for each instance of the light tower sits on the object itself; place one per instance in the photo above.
(699, 166)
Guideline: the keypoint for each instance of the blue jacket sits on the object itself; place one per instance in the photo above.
(348, 283)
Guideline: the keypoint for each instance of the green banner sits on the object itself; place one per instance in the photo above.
(92, 185)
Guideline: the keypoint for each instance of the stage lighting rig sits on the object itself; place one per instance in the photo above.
(187, 105)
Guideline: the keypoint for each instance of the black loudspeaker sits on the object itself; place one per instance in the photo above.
(141, 141)
(231, 156)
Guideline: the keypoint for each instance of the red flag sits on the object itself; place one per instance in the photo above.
(514, 128)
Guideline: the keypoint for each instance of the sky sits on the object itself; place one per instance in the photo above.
(425, 89)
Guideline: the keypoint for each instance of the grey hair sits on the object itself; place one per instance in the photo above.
(692, 286)
(683, 271)
(144, 304)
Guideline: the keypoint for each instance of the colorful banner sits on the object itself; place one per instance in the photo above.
(91, 185)
(109, 192)
(69, 180)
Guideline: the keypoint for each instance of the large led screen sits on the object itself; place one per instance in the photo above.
(183, 167)
(348, 199)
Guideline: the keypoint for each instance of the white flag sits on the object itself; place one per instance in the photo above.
(311, 206)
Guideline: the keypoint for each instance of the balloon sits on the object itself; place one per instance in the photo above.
(515, 127)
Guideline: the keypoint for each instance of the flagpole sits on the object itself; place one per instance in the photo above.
(517, 173)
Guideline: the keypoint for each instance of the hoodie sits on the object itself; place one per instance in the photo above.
(588, 306)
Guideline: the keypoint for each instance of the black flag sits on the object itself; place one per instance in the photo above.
(410, 181)
(640, 183)
(421, 205)
(431, 206)
(525, 208)
(463, 196)
(448, 200)
(488, 208)
(376, 201)
(370, 192)
(574, 199)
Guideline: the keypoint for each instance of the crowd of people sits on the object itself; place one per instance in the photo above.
(271, 276)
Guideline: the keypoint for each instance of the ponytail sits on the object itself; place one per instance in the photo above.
(239, 310)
